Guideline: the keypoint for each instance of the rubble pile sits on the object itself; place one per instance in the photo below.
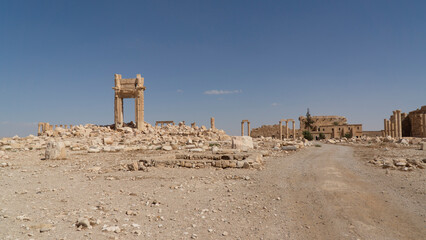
(404, 164)
(169, 145)
(384, 141)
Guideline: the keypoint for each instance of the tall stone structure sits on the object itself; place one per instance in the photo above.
(406, 125)
(287, 134)
(129, 88)
(248, 127)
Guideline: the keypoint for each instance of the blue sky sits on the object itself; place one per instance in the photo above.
(233, 60)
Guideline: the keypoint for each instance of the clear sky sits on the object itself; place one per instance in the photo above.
(233, 60)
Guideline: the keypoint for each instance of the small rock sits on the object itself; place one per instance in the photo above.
(167, 148)
(107, 228)
(83, 223)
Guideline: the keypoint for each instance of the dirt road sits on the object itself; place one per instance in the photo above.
(329, 194)
(317, 193)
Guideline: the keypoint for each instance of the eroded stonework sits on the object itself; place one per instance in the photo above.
(129, 88)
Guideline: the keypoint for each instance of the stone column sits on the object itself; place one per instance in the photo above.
(281, 130)
(294, 130)
(248, 129)
(398, 124)
(242, 128)
(385, 127)
(286, 128)
(394, 124)
(212, 126)
(139, 102)
(392, 129)
(424, 125)
(389, 128)
(117, 113)
(118, 102)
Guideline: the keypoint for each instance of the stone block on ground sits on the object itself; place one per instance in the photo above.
(289, 148)
(244, 143)
(55, 151)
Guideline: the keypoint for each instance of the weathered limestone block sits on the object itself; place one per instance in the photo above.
(108, 141)
(423, 146)
(289, 148)
(400, 162)
(242, 142)
(93, 149)
(55, 150)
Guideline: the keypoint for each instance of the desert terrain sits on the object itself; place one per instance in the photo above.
(321, 191)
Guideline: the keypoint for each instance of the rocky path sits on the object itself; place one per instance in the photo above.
(328, 194)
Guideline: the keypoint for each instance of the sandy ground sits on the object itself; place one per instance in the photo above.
(317, 193)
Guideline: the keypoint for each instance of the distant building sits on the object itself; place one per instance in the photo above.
(331, 127)
(400, 124)
(326, 126)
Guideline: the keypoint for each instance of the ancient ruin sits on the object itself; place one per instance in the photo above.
(248, 127)
(129, 88)
(326, 127)
(44, 128)
(161, 123)
(212, 126)
(331, 127)
(401, 125)
(287, 135)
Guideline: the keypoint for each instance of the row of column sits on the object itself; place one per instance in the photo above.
(393, 126)
(43, 127)
(287, 129)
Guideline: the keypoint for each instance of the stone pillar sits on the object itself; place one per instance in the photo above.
(70, 126)
(388, 122)
(38, 130)
(398, 124)
(281, 130)
(242, 128)
(424, 125)
(212, 126)
(118, 111)
(385, 127)
(118, 102)
(193, 125)
(294, 130)
(392, 129)
(139, 102)
(286, 129)
(248, 129)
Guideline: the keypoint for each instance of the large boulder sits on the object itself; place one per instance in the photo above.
(242, 142)
(55, 150)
